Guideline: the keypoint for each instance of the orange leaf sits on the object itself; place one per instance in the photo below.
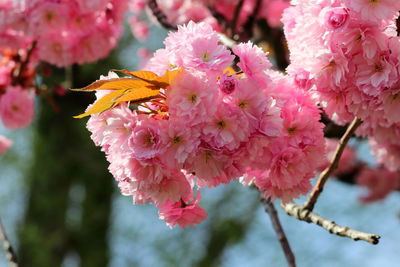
(131, 90)
(115, 84)
(169, 76)
(230, 71)
(138, 95)
(105, 103)
(147, 76)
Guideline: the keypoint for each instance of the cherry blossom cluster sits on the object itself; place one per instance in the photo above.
(211, 126)
(58, 32)
(16, 94)
(66, 31)
(347, 53)
(183, 11)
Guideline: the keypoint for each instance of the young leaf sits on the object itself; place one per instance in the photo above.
(137, 95)
(170, 76)
(105, 103)
(147, 76)
(145, 87)
(134, 95)
(115, 84)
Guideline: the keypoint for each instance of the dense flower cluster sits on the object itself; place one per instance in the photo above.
(16, 93)
(183, 11)
(348, 53)
(210, 127)
(58, 32)
(66, 31)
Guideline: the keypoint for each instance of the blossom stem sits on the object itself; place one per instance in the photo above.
(160, 16)
(303, 214)
(276, 224)
(323, 177)
(8, 249)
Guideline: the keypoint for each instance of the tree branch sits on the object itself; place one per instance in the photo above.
(276, 38)
(301, 213)
(248, 25)
(235, 19)
(323, 177)
(160, 16)
(270, 209)
(221, 19)
(8, 249)
(17, 75)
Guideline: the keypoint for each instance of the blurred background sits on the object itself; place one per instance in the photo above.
(61, 207)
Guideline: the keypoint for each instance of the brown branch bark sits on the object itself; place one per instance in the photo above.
(247, 31)
(303, 214)
(235, 19)
(276, 224)
(160, 16)
(221, 19)
(323, 177)
(8, 249)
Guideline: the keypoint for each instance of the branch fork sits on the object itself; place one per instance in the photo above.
(305, 212)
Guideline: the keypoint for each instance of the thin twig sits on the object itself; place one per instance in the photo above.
(301, 213)
(8, 249)
(323, 177)
(160, 16)
(17, 75)
(276, 224)
(235, 18)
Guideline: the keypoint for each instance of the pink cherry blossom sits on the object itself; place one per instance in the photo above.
(5, 144)
(287, 194)
(209, 127)
(226, 129)
(378, 182)
(170, 189)
(272, 11)
(190, 98)
(375, 10)
(181, 142)
(184, 213)
(253, 61)
(336, 18)
(16, 107)
(145, 141)
(208, 165)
